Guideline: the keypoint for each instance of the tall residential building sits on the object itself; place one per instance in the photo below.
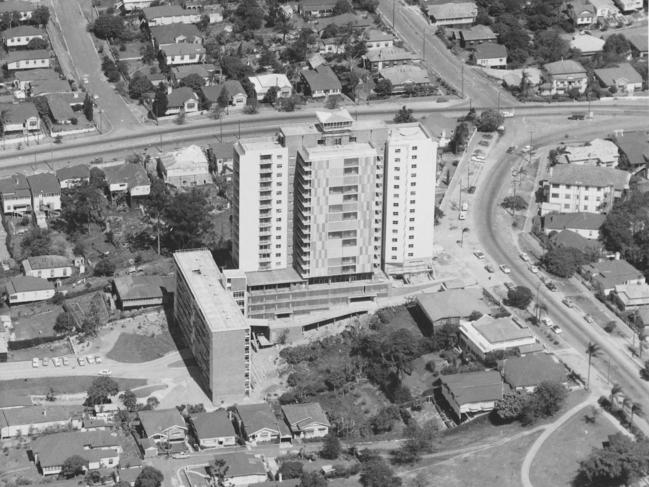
(213, 326)
(260, 217)
(338, 200)
(409, 202)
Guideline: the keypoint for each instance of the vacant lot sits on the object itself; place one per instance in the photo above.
(135, 348)
(61, 385)
(398, 317)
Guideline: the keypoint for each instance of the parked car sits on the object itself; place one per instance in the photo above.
(56, 361)
(465, 206)
(589, 319)
(462, 215)
(66, 361)
(488, 136)
(36, 362)
(551, 285)
(98, 359)
(105, 372)
(81, 361)
(524, 256)
(471, 189)
(90, 359)
(45, 361)
(489, 268)
(568, 302)
(484, 143)
(181, 454)
(547, 321)
(511, 149)
(557, 330)
(479, 254)
(505, 268)
(534, 269)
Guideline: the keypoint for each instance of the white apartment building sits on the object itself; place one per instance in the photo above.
(629, 5)
(260, 208)
(409, 202)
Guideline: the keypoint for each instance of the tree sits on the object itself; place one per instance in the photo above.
(218, 470)
(188, 219)
(616, 48)
(313, 479)
(148, 53)
(384, 420)
(377, 473)
(65, 324)
(549, 46)
(36, 241)
(544, 402)
(73, 466)
(369, 5)
(82, 205)
(129, 400)
(511, 406)
(514, 203)
(519, 297)
(458, 142)
(490, 120)
(291, 469)
(249, 15)
(404, 115)
(644, 372)
(271, 95)
(105, 267)
(563, 261)
(40, 16)
(383, 87)
(342, 7)
(149, 477)
(88, 107)
(138, 86)
(37, 43)
(152, 403)
(439, 214)
(160, 101)
(330, 446)
(109, 27)
(100, 391)
(193, 80)
(592, 350)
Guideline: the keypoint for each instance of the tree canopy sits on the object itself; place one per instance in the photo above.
(249, 15)
(519, 297)
(490, 120)
(330, 446)
(36, 241)
(188, 220)
(404, 115)
(108, 27)
(160, 101)
(81, 206)
(563, 261)
(377, 473)
(73, 466)
(139, 85)
(100, 390)
(65, 323)
(515, 203)
(149, 477)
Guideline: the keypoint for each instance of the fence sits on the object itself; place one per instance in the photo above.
(32, 342)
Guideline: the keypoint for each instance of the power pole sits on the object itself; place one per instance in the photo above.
(394, 7)
(530, 158)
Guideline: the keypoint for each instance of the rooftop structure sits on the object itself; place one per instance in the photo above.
(526, 373)
(450, 306)
(487, 335)
(472, 392)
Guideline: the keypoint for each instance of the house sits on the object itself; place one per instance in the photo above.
(32, 420)
(24, 8)
(222, 156)
(181, 99)
(127, 178)
(585, 224)
(406, 78)
(163, 426)
(587, 44)
(385, 57)
(72, 176)
(639, 40)
(29, 59)
(60, 110)
(316, 8)
(26, 289)
(106, 412)
(19, 117)
(597, 152)
(204, 70)
(441, 128)
(163, 36)
(138, 291)
(230, 92)
(573, 188)
(629, 5)
(256, 423)
(24, 79)
(573, 240)
(263, 82)
(331, 45)
(606, 274)
(21, 35)
(487, 335)
(15, 194)
(130, 5)
(47, 266)
(321, 82)
(477, 34)
(633, 148)
(631, 296)
(472, 392)
(185, 167)
(214, 12)
(454, 14)
(46, 86)
(183, 53)
(564, 76)
(376, 39)
(306, 420)
(490, 55)
(214, 429)
(46, 191)
(624, 78)
(526, 373)
(244, 469)
(169, 14)
(603, 8)
(581, 12)
(451, 306)
(356, 23)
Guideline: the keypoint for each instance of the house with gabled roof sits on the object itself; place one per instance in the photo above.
(606, 274)
(256, 423)
(163, 426)
(306, 420)
(230, 91)
(452, 13)
(581, 12)
(46, 191)
(182, 99)
(21, 35)
(27, 59)
(214, 429)
(564, 76)
(183, 53)
(316, 8)
(264, 82)
(378, 59)
(376, 39)
(633, 147)
(244, 469)
(47, 266)
(15, 194)
(138, 291)
(169, 14)
(472, 392)
(162, 36)
(526, 373)
(623, 77)
(321, 81)
(127, 178)
(19, 117)
(585, 224)
(71, 176)
(27, 289)
(490, 55)
(476, 34)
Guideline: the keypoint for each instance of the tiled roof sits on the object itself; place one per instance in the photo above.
(447, 11)
(80, 171)
(564, 67)
(14, 56)
(24, 284)
(635, 145)
(183, 49)
(15, 185)
(160, 420)
(132, 174)
(59, 107)
(531, 370)
(167, 34)
(389, 54)
(300, 415)
(256, 417)
(622, 73)
(490, 50)
(48, 261)
(321, 78)
(232, 87)
(242, 465)
(44, 183)
(477, 33)
(474, 387)
(589, 176)
(18, 112)
(164, 11)
(570, 239)
(409, 73)
(216, 424)
(179, 96)
(138, 287)
(22, 31)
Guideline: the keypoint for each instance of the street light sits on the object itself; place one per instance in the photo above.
(464, 230)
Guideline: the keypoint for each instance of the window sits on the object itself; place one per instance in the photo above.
(278, 219)
(412, 202)
(411, 219)
(414, 147)
(411, 237)
(414, 166)
(566, 206)
(413, 183)
(395, 213)
(412, 229)
(395, 239)
(278, 246)
(410, 246)
(395, 222)
(414, 157)
(397, 151)
(396, 186)
(394, 249)
(554, 195)
(396, 203)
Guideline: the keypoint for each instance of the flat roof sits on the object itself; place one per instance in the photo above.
(258, 144)
(275, 276)
(498, 330)
(203, 277)
(453, 303)
(327, 151)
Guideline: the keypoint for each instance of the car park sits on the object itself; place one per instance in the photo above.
(557, 330)
(505, 268)
(479, 254)
(589, 319)
(36, 362)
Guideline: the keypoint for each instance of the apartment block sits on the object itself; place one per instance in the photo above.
(213, 326)
(409, 201)
(260, 218)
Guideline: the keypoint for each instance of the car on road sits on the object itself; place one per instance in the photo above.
(66, 361)
(551, 285)
(465, 206)
(589, 319)
(506, 114)
(479, 254)
(471, 190)
(179, 455)
(526, 148)
(547, 321)
(105, 372)
(484, 143)
(511, 149)
(462, 215)
(488, 136)
(568, 302)
(534, 269)
(36, 362)
(81, 361)
(505, 268)
(557, 330)
(510, 285)
(489, 268)
(90, 359)
(98, 359)
(56, 361)
(524, 256)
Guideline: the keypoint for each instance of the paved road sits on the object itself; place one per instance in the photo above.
(87, 63)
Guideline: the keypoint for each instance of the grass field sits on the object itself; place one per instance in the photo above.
(133, 348)
(556, 463)
(147, 391)
(61, 385)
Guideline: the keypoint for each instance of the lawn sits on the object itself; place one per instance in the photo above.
(147, 391)
(61, 385)
(556, 463)
(133, 348)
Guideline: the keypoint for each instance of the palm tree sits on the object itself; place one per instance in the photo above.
(592, 350)
(616, 390)
(636, 408)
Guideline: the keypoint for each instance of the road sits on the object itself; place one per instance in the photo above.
(414, 28)
(87, 62)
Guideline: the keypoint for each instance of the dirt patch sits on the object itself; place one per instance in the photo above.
(136, 348)
(47, 350)
(147, 391)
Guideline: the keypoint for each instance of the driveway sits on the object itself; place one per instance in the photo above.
(87, 62)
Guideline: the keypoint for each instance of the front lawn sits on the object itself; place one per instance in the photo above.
(61, 385)
(135, 348)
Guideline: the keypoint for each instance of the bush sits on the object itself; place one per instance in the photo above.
(105, 267)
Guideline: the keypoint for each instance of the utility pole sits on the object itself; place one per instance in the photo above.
(498, 101)
(424, 53)
(394, 8)
(462, 80)
(530, 158)
(460, 193)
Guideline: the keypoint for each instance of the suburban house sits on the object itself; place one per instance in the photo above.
(256, 423)
(306, 420)
(605, 275)
(205, 70)
(244, 469)
(639, 42)
(72, 176)
(181, 99)
(581, 12)
(633, 147)
(321, 82)
(46, 191)
(454, 14)
(632, 296)
(138, 291)
(15, 194)
(23, 8)
(229, 92)
(585, 224)
(526, 373)
(175, 34)
(263, 82)
(27, 59)
(27, 420)
(376, 39)
(472, 392)
(127, 178)
(573, 188)
(26, 289)
(47, 266)
(385, 57)
(564, 76)
(490, 55)
(588, 45)
(597, 152)
(487, 335)
(629, 5)
(130, 5)
(21, 35)
(163, 426)
(316, 8)
(407, 77)
(452, 306)
(603, 8)
(213, 11)
(624, 78)
(183, 53)
(222, 155)
(185, 167)
(214, 429)
(61, 112)
(571, 239)
(331, 45)
(169, 14)
(477, 34)
(19, 117)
